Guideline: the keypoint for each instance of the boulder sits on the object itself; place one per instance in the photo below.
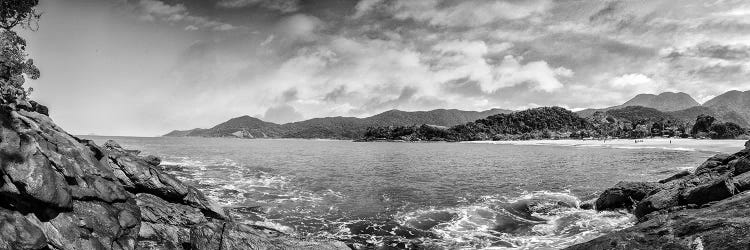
(740, 165)
(624, 195)
(716, 190)
(152, 160)
(663, 199)
(228, 235)
(16, 232)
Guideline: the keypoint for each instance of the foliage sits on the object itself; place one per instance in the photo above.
(702, 124)
(539, 123)
(725, 130)
(14, 65)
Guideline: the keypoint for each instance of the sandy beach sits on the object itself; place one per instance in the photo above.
(652, 143)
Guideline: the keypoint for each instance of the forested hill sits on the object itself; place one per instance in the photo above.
(546, 122)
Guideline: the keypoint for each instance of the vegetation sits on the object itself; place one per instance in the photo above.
(15, 67)
(707, 127)
(557, 123)
(539, 123)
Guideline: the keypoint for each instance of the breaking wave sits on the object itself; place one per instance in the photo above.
(532, 220)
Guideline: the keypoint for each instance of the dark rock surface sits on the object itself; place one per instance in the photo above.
(707, 209)
(61, 192)
(624, 195)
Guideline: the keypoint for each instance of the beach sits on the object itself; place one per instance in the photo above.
(650, 143)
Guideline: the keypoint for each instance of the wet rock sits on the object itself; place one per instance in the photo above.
(723, 225)
(16, 232)
(227, 235)
(196, 199)
(624, 195)
(152, 160)
(588, 204)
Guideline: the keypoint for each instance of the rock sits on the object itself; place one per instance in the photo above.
(662, 199)
(39, 108)
(228, 235)
(740, 165)
(587, 205)
(723, 225)
(677, 176)
(153, 160)
(61, 192)
(747, 144)
(716, 190)
(146, 178)
(624, 195)
(742, 182)
(16, 232)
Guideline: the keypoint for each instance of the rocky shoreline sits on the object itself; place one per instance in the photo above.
(705, 209)
(61, 192)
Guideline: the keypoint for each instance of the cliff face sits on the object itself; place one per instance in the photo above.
(61, 192)
(706, 209)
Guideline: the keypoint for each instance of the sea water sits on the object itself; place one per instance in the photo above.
(418, 195)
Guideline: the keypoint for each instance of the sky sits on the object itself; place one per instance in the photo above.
(146, 67)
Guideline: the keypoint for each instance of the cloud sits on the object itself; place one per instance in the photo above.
(631, 80)
(283, 113)
(465, 13)
(283, 6)
(156, 10)
(299, 27)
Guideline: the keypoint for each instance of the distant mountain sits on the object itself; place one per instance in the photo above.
(732, 101)
(733, 106)
(336, 127)
(667, 101)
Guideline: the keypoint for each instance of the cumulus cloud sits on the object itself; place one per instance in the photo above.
(284, 6)
(464, 13)
(156, 10)
(282, 114)
(300, 27)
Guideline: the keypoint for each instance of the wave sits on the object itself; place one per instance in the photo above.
(531, 220)
(535, 220)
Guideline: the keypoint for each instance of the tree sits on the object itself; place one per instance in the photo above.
(702, 124)
(726, 130)
(15, 67)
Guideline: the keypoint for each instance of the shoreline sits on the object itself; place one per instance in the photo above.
(679, 144)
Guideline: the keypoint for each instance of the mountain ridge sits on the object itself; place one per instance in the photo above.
(335, 127)
(732, 106)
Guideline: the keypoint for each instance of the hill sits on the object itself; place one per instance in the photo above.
(335, 127)
(537, 123)
(667, 101)
(732, 101)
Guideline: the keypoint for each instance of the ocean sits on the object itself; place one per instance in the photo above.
(418, 195)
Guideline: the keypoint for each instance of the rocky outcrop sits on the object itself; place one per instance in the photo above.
(706, 209)
(624, 195)
(61, 192)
